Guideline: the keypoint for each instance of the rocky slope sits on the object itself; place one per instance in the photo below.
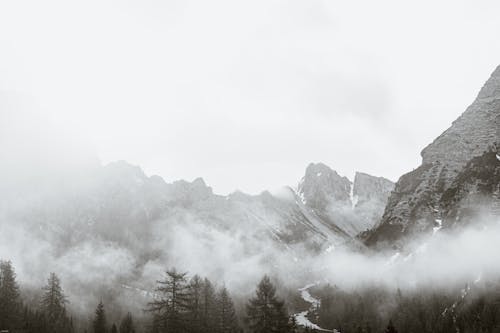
(119, 203)
(351, 206)
(417, 201)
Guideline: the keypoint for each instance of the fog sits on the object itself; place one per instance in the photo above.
(53, 188)
(56, 231)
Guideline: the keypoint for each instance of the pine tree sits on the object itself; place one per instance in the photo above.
(99, 323)
(10, 304)
(171, 308)
(114, 329)
(208, 299)
(226, 315)
(195, 303)
(127, 324)
(266, 313)
(53, 304)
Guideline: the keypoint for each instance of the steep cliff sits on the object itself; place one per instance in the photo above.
(416, 202)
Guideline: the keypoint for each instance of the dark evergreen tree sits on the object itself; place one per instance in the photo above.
(195, 303)
(226, 314)
(53, 305)
(99, 323)
(10, 303)
(171, 308)
(127, 324)
(114, 329)
(208, 299)
(266, 313)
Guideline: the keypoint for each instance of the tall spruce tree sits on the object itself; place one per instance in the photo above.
(171, 308)
(208, 298)
(53, 305)
(99, 323)
(226, 314)
(127, 324)
(195, 303)
(265, 312)
(10, 304)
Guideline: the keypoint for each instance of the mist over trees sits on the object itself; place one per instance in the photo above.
(10, 302)
(266, 313)
(470, 309)
(184, 304)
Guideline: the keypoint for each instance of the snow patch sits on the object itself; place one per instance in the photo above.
(354, 198)
(438, 227)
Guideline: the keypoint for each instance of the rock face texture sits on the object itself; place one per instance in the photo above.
(416, 203)
(369, 198)
(322, 186)
(351, 207)
(474, 194)
(472, 133)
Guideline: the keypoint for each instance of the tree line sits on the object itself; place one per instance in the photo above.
(466, 309)
(179, 305)
(183, 305)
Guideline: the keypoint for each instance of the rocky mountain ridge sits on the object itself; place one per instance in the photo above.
(416, 203)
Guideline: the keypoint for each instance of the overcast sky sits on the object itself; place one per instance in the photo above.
(247, 93)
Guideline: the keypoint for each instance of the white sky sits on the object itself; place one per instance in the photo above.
(247, 93)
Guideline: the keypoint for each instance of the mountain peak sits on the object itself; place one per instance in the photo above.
(321, 184)
(472, 133)
(491, 88)
(417, 201)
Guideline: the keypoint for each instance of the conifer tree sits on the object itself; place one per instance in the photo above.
(10, 304)
(172, 306)
(208, 318)
(195, 303)
(114, 329)
(53, 304)
(266, 313)
(226, 314)
(99, 323)
(127, 324)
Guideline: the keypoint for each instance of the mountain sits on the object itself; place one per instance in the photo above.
(325, 209)
(454, 171)
(352, 207)
(143, 224)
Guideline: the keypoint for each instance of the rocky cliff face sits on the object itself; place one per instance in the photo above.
(322, 186)
(351, 207)
(473, 133)
(369, 198)
(416, 203)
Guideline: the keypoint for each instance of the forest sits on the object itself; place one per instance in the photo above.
(192, 304)
(179, 304)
